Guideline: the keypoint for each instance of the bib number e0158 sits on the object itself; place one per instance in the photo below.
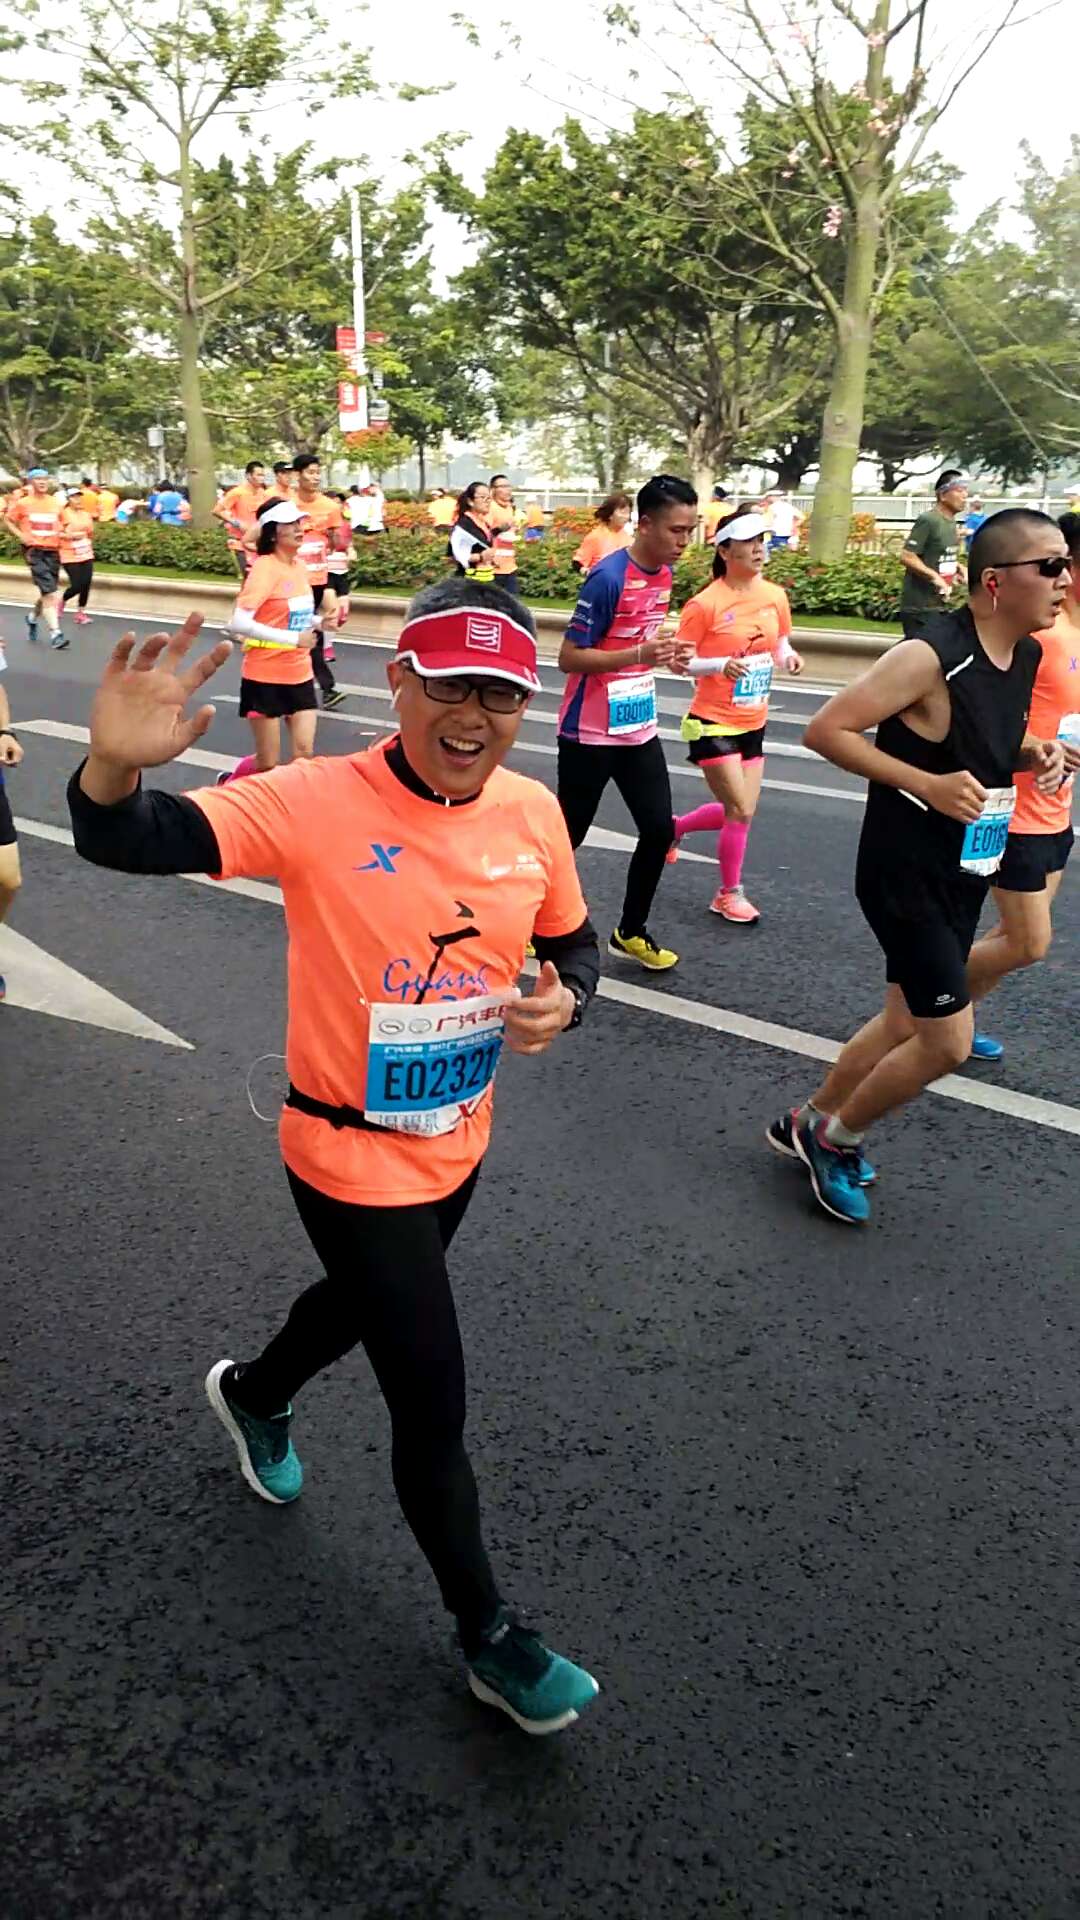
(754, 686)
(985, 838)
(631, 703)
(429, 1066)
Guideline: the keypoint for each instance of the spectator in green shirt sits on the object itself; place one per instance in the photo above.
(930, 555)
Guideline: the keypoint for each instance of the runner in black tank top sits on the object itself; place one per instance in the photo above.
(950, 710)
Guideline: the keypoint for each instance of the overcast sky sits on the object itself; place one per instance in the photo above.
(568, 62)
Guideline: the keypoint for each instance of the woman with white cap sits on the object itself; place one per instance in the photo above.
(735, 630)
(274, 618)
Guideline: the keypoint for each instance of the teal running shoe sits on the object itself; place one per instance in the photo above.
(780, 1135)
(31, 628)
(264, 1449)
(834, 1174)
(515, 1672)
(984, 1048)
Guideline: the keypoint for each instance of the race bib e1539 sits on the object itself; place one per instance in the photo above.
(753, 686)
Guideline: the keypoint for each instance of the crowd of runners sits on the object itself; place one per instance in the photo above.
(400, 1001)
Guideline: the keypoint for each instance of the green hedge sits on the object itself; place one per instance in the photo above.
(862, 586)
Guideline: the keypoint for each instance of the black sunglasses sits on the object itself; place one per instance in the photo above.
(495, 696)
(1051, 568)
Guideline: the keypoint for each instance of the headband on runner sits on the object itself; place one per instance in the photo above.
(749, 526)
(470, 640)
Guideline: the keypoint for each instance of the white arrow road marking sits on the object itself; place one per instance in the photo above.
(40, 982)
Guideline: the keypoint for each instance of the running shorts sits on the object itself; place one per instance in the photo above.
(720, 746)
(925, 926)
(8, 836)
(44, 564)
(317, 594)
(269, 700)
(1030, 858)
(339, 582)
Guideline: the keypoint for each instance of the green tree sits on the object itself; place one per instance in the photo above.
(841, 180)
(65, 375)
(145, 90)
(628, 239)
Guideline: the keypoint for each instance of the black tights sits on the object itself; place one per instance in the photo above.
(80, 573)
(386, 1287)
(641, 776)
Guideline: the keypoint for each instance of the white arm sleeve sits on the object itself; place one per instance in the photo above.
(462, 545)
(244, 626)
(701, 669)
(784, 653)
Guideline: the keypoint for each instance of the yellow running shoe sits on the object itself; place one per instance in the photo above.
(643, 948)
(530, 951)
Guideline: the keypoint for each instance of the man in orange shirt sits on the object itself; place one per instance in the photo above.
(1040, 831)
(108, 501)
(505, 524)
(238, 508)
(34, 517)
(414, 873)
(441, 508)
(284, 486)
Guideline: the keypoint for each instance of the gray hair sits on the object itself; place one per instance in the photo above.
(481, 595)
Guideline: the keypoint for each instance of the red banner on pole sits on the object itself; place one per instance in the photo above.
(345, 340)
(350, 410)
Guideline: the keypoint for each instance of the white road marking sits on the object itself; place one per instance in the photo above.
(698, 1013)
(38, 981)
(219, 762)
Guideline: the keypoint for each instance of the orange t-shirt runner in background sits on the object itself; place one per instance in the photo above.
(598, 543)
(504, 528)
(108, 501)
(1056, 693)
(277, 595)
(76, 535)
(38, 515)
(240, 504)
(396, 903)
(721, 622)
(324, 515)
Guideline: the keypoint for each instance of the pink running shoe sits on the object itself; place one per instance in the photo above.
(731, 903)
(329, 653)
(82, 619)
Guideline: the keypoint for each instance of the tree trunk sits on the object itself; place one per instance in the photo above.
(421, 462)
(842, 427)
(199, 446)
(701, 455)
(791, 465)
(890, 476)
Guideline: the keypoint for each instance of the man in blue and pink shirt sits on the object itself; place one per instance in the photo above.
(616, 636)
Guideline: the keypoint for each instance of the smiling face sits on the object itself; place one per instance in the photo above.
(453, 749)
(480, 502)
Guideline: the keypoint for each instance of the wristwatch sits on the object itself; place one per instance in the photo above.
(581, 1001)
(10, 731)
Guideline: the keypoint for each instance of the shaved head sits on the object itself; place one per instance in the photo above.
(1006, 536)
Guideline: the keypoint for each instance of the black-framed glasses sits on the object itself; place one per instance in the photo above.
(495, 696)
(1051, 568)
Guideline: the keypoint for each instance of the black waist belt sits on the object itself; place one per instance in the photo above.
(321, 1110)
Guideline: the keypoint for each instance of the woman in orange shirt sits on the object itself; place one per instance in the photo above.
(77, 552)
(732, 632)
(612, 531)
(274, 617)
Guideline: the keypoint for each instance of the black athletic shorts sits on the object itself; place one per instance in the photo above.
(44, 564)
(720, 746)
(317, 594)
(925, 923)
(1029, 859)
(340, 583)
(272, 701)
(8, 835)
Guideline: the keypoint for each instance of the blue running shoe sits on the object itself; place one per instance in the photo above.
(59, 641)
(780, 1137)
(267, 1460)
(983, 1048)
(834, 1174)
(31, 628)
(515, 1672)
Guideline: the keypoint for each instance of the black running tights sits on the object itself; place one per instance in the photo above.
(641, 776)
(386, 1288)
(80, 573)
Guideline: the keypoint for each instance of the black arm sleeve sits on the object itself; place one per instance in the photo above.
(576, 956)
(151, 832)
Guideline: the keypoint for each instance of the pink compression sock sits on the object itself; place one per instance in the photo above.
(707, 819)
(732, 851)
(246, 765)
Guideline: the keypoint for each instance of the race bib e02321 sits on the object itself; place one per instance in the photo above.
(631, 702)
(429, 1066)
(985, 838)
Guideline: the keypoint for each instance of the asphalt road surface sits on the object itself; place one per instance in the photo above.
(804, 1499)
